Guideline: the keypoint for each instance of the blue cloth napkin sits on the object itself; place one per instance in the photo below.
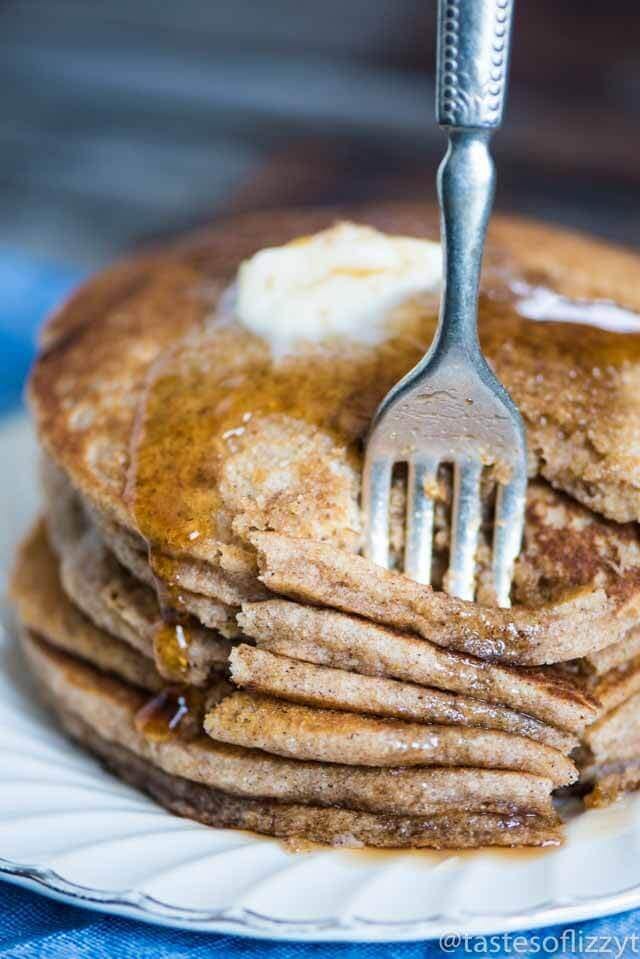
(34, 927)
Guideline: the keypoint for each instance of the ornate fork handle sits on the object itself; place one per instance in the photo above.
(473, 53)
(473, 58)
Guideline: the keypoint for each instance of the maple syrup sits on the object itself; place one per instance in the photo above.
(175, 710)
(213, 390)
(203, 401)
(505, 855)
(166, 571)
(171, 649)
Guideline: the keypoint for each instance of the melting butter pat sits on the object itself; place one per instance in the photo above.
(343, 281)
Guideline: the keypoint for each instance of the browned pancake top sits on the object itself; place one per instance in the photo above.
(184, 428)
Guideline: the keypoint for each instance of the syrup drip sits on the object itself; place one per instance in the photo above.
(170, 596)
(171, 649)
(176, 710)
(213, 390)
(204, 400)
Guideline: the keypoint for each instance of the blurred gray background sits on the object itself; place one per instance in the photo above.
(124, 120)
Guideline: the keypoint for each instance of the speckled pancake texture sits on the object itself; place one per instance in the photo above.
(194, 603)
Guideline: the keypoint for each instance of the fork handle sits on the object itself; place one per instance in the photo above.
(473, 58)
(473, 52)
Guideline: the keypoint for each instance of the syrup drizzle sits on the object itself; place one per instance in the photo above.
(171, 649)
(209, 395)
(175, 710)
(213, 390)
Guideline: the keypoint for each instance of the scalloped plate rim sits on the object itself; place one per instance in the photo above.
(246, 922)
(15, 432)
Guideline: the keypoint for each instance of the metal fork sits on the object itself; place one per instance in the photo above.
(451, 408)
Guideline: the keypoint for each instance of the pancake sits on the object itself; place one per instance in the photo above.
(614, 687)
(116, 601)
(318, 573)
(292, 631)
(334, 827)
(42, 606)
(121, 604)
(325, 735)
(226, 786)
(617, 654)
(329, 638)
(69, 519)
(46, 607)
(567, 552)
(616, 735)
(228, 581)
(299, 682)
(197, 484)
(611, 782)
(609, 755)
(165, 425)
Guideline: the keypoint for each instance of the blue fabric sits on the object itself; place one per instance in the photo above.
(29, 288)
(33, 926)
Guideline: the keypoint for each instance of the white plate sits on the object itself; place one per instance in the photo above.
(70, 830)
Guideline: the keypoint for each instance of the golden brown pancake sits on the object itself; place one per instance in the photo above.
(69, 519)
(612, 688)
(42, 606)
(227, 786)
(326, 735)
(609, 756)
(116, 601)
(165, 419)
(293, 680)
(582, 620)
(334, 827)
(327, 637)
(113, 599)
(617, 654)
(612, 781)
(571, 562)
(183, 456)
(610, 753)
(616, 735)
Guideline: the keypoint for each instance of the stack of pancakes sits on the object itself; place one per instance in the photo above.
(194, 604)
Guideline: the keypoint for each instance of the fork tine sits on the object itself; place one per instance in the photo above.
(465, 523)
(507, 535)
(419, 531)
(376, 490)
